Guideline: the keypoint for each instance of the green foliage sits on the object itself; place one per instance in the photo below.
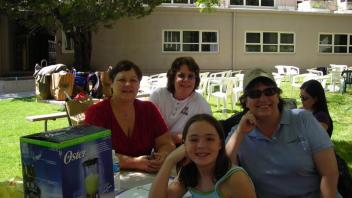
(77, 14)
(78, 17)
(207, 5)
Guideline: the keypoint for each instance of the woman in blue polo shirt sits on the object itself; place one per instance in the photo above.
(286, 152)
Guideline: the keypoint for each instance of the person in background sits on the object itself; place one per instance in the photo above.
(286, 152)
(203, 167)
(137, 126)
(179, 101)
(313, 99)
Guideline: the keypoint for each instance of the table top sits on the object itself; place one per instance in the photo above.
(130, 179)
(137, 184)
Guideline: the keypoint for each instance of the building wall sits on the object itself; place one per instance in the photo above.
(4, 45)
(140, 40)
(306, 28)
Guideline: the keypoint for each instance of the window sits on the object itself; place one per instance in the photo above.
(179, 1)
(331, 43)
(172, 41)
(190, 41)
(270, 42)
(252, 2)
(67, 42)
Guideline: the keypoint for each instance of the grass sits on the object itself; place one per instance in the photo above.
(14, 111)
(13, 125)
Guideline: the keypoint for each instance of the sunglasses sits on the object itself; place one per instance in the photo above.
(258, 93)
(184, 76)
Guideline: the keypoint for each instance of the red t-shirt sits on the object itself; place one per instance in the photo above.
(149, 125)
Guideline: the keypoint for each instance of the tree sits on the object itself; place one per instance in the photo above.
(79, 18)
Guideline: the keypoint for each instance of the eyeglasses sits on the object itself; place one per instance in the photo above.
(258, 93)
(304, 98)
(184, 76)
(130, 81)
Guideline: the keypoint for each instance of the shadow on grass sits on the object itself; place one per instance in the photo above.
(344, 149)
(33, 99)
(25, 99)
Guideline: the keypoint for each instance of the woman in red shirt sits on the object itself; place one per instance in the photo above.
(137, 126)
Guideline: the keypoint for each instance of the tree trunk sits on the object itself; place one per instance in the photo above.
(83, 49)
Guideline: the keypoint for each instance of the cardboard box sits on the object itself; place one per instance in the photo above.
(61, 83)
(42, 88)
(70, 162)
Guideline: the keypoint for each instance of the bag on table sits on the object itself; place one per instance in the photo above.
(61, 83)
(42, 88)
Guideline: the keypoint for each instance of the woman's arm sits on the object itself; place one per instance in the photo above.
(324, 125)
(247, 123)
(238, 185)
(326, 163)
(141, 163)
(164, 145)
(233, 144)
(160, 186)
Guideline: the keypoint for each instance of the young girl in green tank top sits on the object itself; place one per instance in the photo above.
(203, 168)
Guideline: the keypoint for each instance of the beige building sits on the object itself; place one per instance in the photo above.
(234, 36)
(239, 34)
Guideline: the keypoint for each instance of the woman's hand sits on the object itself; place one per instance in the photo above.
(146, 164)
(178, 155)
(248, 122)
(176, 137)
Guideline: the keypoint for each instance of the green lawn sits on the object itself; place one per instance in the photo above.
(13, 125)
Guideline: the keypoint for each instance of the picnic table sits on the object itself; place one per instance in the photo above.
(137, 184)
(46, 117)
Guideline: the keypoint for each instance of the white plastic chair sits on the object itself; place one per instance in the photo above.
(316, 72)
(292, 71)
(320, 76)
(157, 81)
(202, 88)
(224, 93)
(215, 79)
(145, 86)
(336, 80)
(299, 79)
(237, 87)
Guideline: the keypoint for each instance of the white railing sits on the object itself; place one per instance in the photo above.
(286, 4)
(317, 5)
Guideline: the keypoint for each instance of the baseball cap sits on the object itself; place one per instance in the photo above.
(253, 74)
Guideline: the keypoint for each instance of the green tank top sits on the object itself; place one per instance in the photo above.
(215, 193)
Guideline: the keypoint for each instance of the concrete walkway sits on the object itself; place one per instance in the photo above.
(17, 95)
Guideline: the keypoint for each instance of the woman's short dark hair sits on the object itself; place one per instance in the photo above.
(188, 175)
(316, 90)
(251, 85)
(175, 67)
(125, 65)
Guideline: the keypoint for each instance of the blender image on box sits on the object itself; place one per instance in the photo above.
(70, 162)
(91, 177)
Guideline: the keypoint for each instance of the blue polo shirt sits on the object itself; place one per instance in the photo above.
(283, 166)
